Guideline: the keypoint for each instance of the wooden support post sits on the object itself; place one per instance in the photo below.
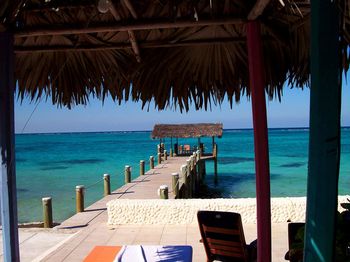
(165, 155)
(106, 184)
(8, 192)
(199, 171)
(196, 177)
(193, 177)
(198, 155)
(151, 162)
(163, 192)
(215, 150)
(142, 167)
(176, 147)
(215, 154)
(262, 166)
(175, 184)
(127, 174)
(159, 158)
(79, 198)
(324, 139)
(158, 148)
(47, 211)
(199, 145)
(204, 169)
(171, 147)
(188, 180)
(184, 180)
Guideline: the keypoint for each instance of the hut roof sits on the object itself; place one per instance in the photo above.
(174, 53)
(187, 130)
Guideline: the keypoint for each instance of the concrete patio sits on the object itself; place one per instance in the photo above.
(59, 246)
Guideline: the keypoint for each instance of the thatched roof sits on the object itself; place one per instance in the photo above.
(186, 130)
(172, 52)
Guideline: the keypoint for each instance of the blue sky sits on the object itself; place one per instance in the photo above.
(292, 111)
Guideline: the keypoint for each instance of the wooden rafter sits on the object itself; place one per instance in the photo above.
(130, 8)
(119, 27)
(131, 33)
(62, 5)
(134, 45)
(150, 45)
(257, 9)
(114, 12)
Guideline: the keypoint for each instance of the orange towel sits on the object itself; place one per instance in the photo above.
(103, 254)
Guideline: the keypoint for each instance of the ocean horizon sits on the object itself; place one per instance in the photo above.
(150, 130)
(52, 164)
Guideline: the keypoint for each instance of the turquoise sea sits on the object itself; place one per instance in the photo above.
(53, 164)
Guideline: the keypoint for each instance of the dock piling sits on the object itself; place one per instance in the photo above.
(47, 211)
(215, 155)
(193, 176)
(171, 152)
(142, 167)
(198, 155)
(151, 162)
(127, 174)
(184, 180)
(106, 184)
(79, 199)
(163, 192)
(175, 183)
(188, 180)
(159, 158)
(201, 170)
(165, 155)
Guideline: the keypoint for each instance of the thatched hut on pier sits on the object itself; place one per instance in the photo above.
(178, 53)
(162, 131)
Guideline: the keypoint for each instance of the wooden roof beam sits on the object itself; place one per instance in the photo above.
(118, 27)
(130, 8)
(48, 49)
(134, 46)
(62, 5)
(258, 9)
(131, 34)
(114, 12)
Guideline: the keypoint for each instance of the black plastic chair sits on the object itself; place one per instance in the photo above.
(295, 252)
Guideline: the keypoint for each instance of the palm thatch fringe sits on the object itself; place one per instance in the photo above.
(187, 130)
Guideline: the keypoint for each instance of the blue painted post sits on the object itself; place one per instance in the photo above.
(7, 144)
(324, 145)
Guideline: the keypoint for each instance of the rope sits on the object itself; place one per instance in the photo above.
(133, 184)
(99, 181)
(94, 184)
(30, 117)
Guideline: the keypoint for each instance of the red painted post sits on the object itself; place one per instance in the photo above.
(261, 147)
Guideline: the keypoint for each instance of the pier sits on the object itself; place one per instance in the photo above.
(179, 174)
(92, 229)
(143, 187)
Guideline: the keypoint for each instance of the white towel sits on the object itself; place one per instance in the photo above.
(137, 253)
